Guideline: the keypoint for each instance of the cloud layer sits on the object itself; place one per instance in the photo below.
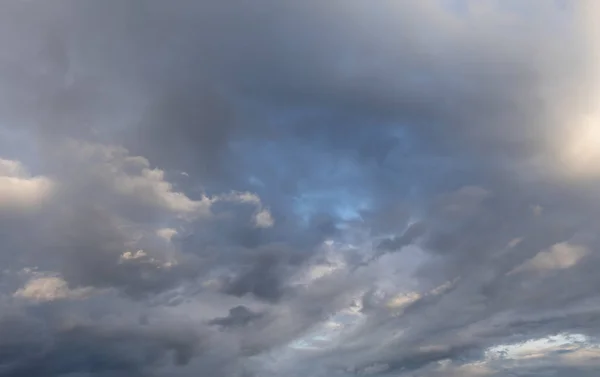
(308, 188)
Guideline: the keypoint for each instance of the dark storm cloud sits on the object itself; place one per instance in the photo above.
(259, 151)
(36, 343)
(261, 278)
(238, 316)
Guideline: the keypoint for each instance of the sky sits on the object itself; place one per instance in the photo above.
(305, 188)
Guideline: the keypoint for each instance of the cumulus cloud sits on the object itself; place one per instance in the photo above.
(49, 289)
(263, 219)
(112, 170)
(166, 233)
(18, 189)
(304, 188)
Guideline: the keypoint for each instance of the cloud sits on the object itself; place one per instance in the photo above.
(263, 219)
(56, 351)
(113, 171)
(166, 233)
(403, 189)
(559, 256)
(238, 316)
(49, 289)
(109, 214)
(19, 190)
(403, 300)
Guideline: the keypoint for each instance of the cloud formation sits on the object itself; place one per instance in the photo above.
(304, 188)
(20, 191)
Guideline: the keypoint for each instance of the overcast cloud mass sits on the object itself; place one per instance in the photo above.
(304, 188)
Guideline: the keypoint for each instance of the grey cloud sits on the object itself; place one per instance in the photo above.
(262, 279)
(487, 306)
(349, 122)
(238, 316)
(38, 347)
(409, 236)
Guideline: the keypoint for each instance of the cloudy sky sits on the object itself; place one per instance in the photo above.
(267, 188)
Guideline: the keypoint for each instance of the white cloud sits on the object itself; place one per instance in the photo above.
(166, 233)
(150, 185)
(18, 189)
(240, 197)
(444, 287)
(50, 288)
(312, 273)
(536, 348)
(111, 169)
(263, 219)
(128, 255)
(141, 256)
(579, 147)
(11, 168)
(560, 256)
(564, 350)
(403, 300)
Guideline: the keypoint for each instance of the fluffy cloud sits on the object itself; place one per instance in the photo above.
(19, 190)
(49, 289)
(110, 170)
